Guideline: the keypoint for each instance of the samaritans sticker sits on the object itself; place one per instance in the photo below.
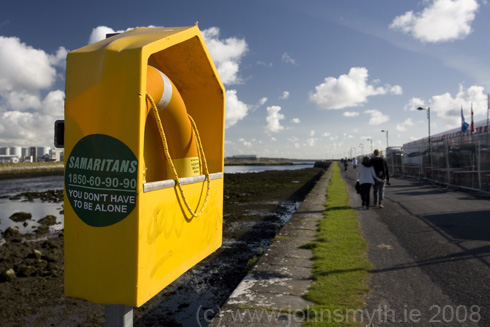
(100, 180)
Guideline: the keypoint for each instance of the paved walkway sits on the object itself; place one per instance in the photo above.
(430, 248)
(282, 275)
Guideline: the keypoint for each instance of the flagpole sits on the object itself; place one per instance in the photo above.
(488, 109)
(472, 129)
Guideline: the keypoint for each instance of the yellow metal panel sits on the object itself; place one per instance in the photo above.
(171, 243)
(111, 149)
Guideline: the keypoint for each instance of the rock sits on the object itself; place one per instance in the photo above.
(20, 216)
(49, 244)
(26, 271)
(11, 232)
(52, 267)
(42, 229)
(49, 220)
(7, 275)
(37, 254)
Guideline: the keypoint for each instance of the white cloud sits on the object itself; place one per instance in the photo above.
(441, 21)
(397, 89)
(349, 90)
(27, 112)
(264, 64)
(247, 144)
(326, 134)
(295, 121)
(351, 114)
(377, 117)
(21, 101)
(54, 104)
(273, 119)
(403, 126)
(59, 59)
(447, 108)
(414, 103)
(284, 95)
(99, 33)
(311, 141)
(23, 68)
(226, 53)
(259, 104)
(235, 109)
(287, 59)
(312, 133)
(34, 127)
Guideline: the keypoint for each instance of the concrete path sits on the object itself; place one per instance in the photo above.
(271, 294)
(430, 247)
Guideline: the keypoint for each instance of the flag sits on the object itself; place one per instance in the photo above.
(472, 123)
(488, 109)
(464, 125)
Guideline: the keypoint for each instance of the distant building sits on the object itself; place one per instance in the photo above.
(10, 154)
(43, 153)
(4, 158)
(30, 154)
(16, 151)
(26, 152)
(56, 155)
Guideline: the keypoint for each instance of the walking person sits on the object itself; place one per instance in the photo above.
(366, 177)
(381, 168)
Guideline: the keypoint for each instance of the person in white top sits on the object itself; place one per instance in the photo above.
(366, 176)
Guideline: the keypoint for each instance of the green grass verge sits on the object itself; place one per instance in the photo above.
(341, 268)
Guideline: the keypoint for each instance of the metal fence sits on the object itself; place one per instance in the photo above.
(460, 161)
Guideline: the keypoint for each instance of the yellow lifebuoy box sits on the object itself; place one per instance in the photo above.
(144, 156)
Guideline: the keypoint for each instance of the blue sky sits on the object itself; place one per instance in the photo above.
(304, 79)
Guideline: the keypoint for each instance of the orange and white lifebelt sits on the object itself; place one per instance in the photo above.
(176, 124)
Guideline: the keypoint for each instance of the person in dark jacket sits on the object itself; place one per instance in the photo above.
(381, 168)
(366, 176)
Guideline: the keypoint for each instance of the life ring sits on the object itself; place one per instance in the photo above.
(175, 120)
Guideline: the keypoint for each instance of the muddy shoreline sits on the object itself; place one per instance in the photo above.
(256, 206)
